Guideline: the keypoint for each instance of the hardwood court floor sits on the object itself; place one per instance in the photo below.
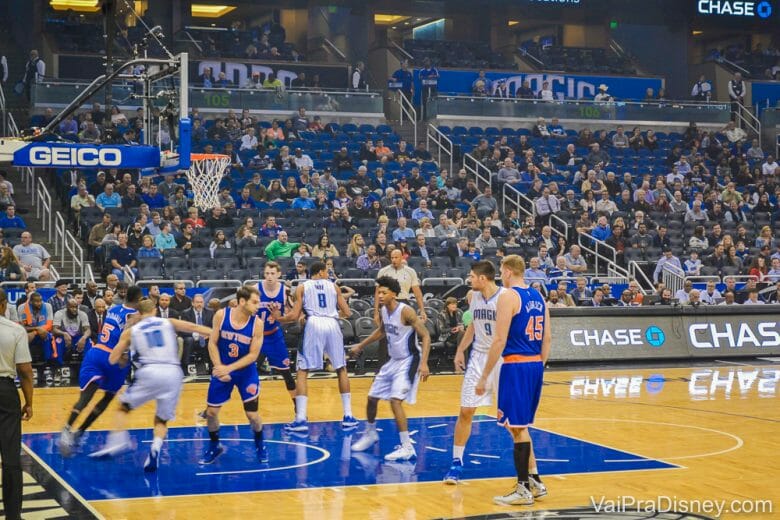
(720, 424)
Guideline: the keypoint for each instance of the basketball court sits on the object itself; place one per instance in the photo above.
(661, 434)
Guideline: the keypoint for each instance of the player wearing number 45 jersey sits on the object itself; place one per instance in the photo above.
(98, 373)
(158, 376)
(479, 335)
(522, 341)
(321, 300)
(235, 342)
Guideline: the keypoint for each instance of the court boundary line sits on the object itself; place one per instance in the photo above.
(56, 476)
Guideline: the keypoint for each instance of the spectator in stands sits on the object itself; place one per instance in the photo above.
(281, 247)
(420, 249)
(165, 240)
(10, 271)
(123, 258)
(620, 140)
(33, 258)
(773, 275)
(599, 299)
(404, 77)
(770, 168)
(667, 259)
(575, 261)
(422, 211)
(34, 72)
(219, 219)
(602, 231)
(90, 134)
(484, 203)
(402, 231)
(758, 268)
(606, 204)
(485, 240)
(508, 173)
(534, 273)
(692, 266)
(696, 213)
(603, 97)
(581, 294)
(597, 156)
(734, 134)
(661, 239)
(11, 219)
(147, 249)
(303, 201)
(752, 298)
(220, 241)
(109, 198)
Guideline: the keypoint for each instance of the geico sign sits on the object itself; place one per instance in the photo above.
(713, 335)
(728, 8)
(603, 337)
(81, 156)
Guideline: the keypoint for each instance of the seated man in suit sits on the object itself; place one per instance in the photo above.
(164, 309)
(199, 315)
(421, 249)
(96, 317)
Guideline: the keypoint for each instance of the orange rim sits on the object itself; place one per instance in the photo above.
(207, 156)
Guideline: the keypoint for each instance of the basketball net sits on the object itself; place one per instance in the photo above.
(204, 175)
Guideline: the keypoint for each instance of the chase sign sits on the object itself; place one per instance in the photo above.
(762, 9)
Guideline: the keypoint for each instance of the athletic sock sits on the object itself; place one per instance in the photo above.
(535, 476)
(522, 452)
(405, 439)
(457, 452)
(300, 407)
(346, 403)
(214, 437)
(259, 440)
(157, 444)
(370, 427)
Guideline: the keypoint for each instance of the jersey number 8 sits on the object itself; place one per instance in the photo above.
(322, 301)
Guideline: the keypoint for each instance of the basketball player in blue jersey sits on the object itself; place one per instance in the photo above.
(155, 355)
(483, 303)
(235, 342)
(522, 340)
(321, 301)
(98, 373)
(399, 377)
(273, 295)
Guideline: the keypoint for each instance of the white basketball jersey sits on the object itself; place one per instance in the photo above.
(153, 342)
(401, 338)
(483, 313)
(320, 299)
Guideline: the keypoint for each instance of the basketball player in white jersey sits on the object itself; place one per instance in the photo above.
(483, 299)
(398, 378)
(154, 351)
(321, 301)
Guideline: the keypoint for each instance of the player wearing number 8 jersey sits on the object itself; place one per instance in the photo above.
(98, 373)
(522, 340)
(321, 300)
(235, 342)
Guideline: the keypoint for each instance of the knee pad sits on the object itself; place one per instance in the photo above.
(252, 406)
(289, 381)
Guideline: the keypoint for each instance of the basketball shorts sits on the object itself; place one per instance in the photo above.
(275, 350)
(519, 391)
(161, 383)
(246, 380)
(321, 336)
(96, 367)
(474, 370)
(397, 379)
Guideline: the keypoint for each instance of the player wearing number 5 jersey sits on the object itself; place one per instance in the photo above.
(321, 300)
(479, 336)
(98, 373)
(235, 342)
(522, 340)
(158, 376)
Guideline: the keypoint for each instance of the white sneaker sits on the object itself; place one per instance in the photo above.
(369, 438)
(402, 453)
(538, 489)
(66, 442)
(519, 496)
(117, 442)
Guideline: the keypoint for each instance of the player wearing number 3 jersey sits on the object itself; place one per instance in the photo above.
(320, 300)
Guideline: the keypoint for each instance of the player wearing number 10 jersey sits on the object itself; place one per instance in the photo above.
(98, 373)
(320, 299)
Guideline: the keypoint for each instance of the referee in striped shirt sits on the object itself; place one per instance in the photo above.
(14, 359)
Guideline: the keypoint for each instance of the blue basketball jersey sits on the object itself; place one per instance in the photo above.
(265, 301)
(114, 324)
(526, 330)
(234, 343)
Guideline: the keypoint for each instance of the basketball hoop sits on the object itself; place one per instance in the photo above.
(205, 173)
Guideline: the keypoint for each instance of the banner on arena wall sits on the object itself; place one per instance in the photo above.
(765, 93)
(565, 86)
(15, 294)
(590, 335)
(238, 72)
(76, 155)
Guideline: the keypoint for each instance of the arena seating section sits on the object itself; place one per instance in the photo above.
(595, 60)
(470, 55)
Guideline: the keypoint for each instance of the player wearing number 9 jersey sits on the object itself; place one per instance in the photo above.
(235, 342)
(98, 373)
(522, 339)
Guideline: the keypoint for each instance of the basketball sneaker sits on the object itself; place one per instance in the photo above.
(455, 473)
(66, 442)
(151, 462)
(214, 451)
(349, 422)
(368, 439)
(262, 455)
(297, 426)
(116, 443)
(402, 453)
(519, 496)
(538, 489)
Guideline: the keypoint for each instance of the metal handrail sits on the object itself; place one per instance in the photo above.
(402, 51)
(588, 246)
(407, 108)
(585, 101)
(521, 200)
(89, 276)
(482, 174)
(232, 282)
(633, 269)
(747, 118)
(43, 208)
(333, 47)
(673, 277)
(442, 142)
(555, 219)
(743, 70)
